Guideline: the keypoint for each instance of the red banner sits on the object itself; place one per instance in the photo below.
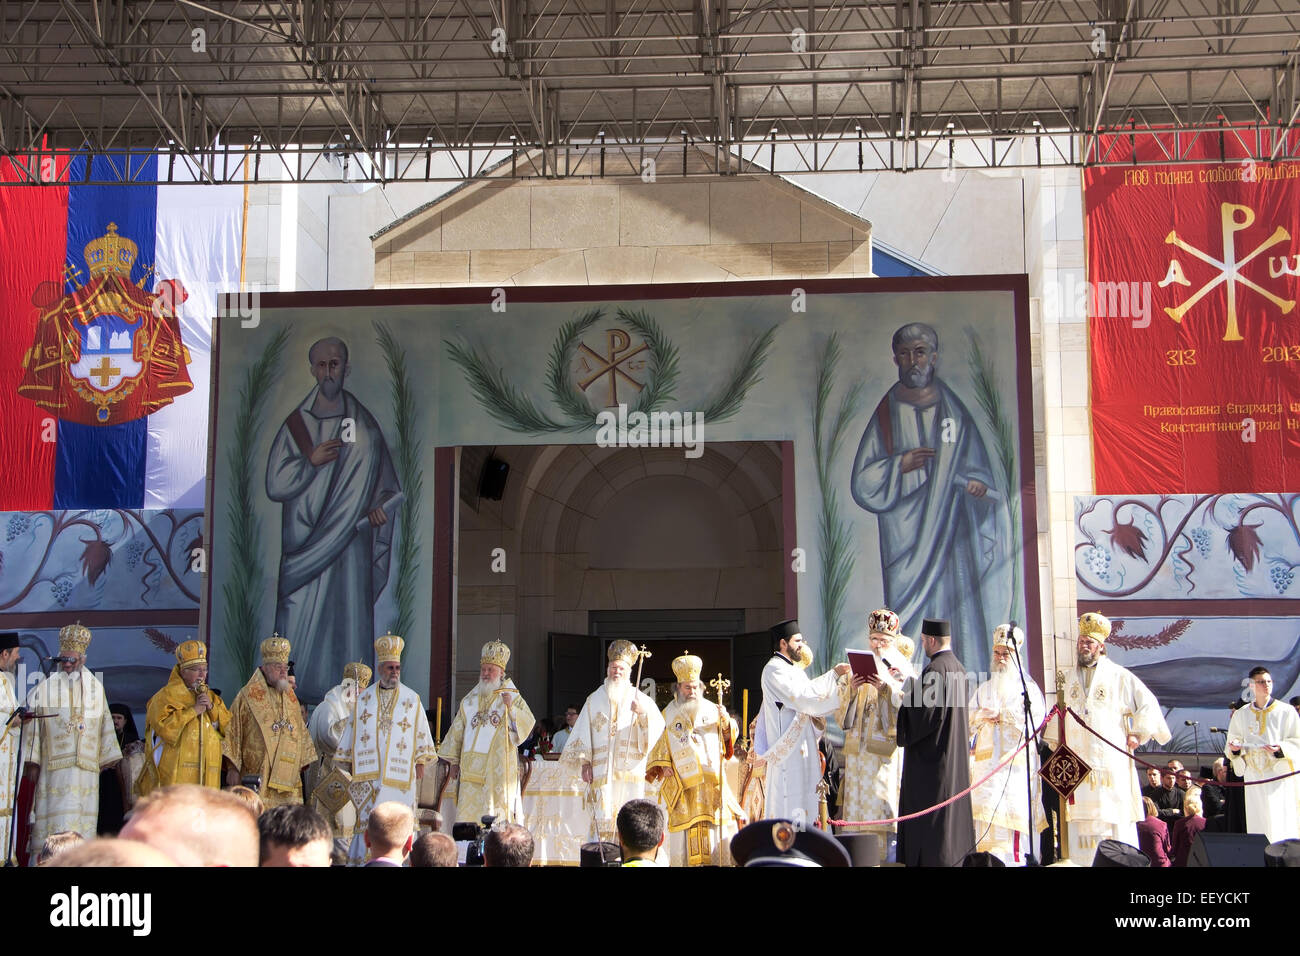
(1195, 330)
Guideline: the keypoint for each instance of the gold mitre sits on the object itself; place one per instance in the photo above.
(74, 639)
(883, 621)
(905, 645)
(1095, 626)
(1008, 635)
(624, 651)
(275, 650)
(110, 253)
(358, 672)
(389, 648)
(191, 653)
(687, 667)
(495, 652)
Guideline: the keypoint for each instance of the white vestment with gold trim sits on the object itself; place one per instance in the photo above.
(1271, 808)
(616, 742)
(790, 703)
(381, 746)
(71, 746)
(1000, 806)
(1114, 703)
(483, 743)
(9, 773)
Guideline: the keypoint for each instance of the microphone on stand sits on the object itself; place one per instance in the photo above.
(1196, 737)
(1218, 730)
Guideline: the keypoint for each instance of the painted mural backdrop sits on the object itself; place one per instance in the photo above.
(1201, 589)
(132, 577)
(907, 408)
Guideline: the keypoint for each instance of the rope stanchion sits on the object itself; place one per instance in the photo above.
(1150, 766)
(953, 799)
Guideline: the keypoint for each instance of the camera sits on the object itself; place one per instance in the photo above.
(475, 834)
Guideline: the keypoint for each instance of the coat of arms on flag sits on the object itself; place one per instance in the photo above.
(107, 352)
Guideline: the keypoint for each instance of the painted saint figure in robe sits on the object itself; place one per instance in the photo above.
(330, 468)
(923, 469)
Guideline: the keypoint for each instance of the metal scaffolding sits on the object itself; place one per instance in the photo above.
(391, 90)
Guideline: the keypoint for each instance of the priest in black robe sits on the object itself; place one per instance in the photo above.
(935, 737)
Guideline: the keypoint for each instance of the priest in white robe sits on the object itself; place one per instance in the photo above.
(70, 746)
(387, 745)
(792, 718)
(482, 744)
(610, 741)
(1264, 742)
(869, 717)
(327, 787)
(1107, 805)
(330, 469)
(9, 731)
(1000, 807)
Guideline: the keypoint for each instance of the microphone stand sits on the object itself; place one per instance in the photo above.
(1196, 741)
(19, 713)
(1031, 859)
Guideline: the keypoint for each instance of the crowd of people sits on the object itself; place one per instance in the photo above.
(362, 780)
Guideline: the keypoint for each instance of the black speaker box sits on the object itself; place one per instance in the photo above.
(1227, 849)
(492, 481)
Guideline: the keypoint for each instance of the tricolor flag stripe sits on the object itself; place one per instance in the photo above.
(33, 243)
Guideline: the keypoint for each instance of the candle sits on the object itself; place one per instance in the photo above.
(437, 733)
(744, 728)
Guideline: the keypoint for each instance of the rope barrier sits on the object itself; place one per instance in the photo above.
(953, 799)
(1012, 756)
(1150, 766)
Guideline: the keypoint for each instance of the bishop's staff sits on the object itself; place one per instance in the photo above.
(641, 655)
(721, 685)
(200, 689)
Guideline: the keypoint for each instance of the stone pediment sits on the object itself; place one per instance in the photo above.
(588, 229)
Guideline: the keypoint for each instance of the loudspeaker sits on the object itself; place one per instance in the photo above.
(1228, 849)
(492, 480)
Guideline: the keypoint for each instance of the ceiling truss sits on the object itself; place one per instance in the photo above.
(385, 90)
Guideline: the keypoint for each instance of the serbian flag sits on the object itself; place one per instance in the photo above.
(107, 294)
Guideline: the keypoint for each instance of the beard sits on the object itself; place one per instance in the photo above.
(1005, 679)
(281, 685)
(618, 689)
(690, 710)
(916, 377)
(488, 686)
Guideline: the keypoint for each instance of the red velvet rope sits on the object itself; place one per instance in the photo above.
(953, 799)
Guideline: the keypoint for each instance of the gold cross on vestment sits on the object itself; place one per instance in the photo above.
(404, 724)
(105, 372)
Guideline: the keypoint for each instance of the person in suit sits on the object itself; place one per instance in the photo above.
(389, 834)
(1153, 835)
(1191, 823)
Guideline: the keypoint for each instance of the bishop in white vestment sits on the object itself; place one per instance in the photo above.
(387, 743)
(1264, 742)
(1107, 805)
(611, 740)
(792, 719)
(999, 807)
(71, 745)
(482, 744)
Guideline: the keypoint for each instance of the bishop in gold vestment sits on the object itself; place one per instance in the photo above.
(178, 717)
(688, 759)
(266, 734)
(482, 745)
(71, 746)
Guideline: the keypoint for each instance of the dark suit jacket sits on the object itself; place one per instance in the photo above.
(382, 862)
(1153, 840)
